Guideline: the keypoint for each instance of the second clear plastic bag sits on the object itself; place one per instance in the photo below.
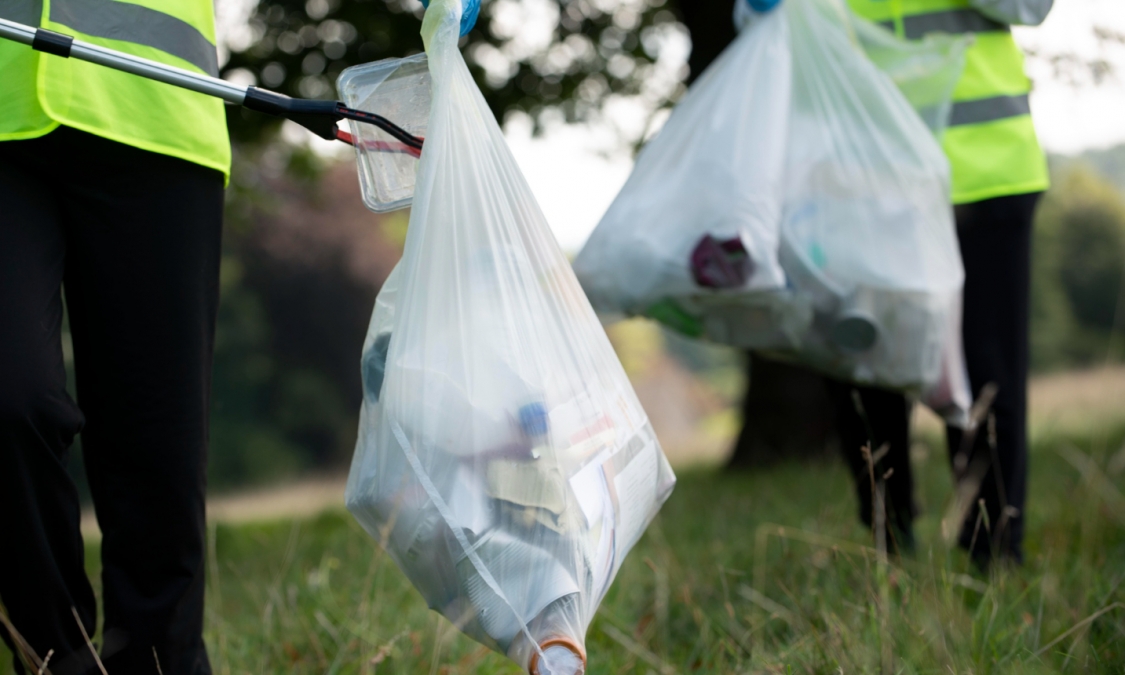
(696, 226)
(503, 458)
(868, 220)
(850, 264)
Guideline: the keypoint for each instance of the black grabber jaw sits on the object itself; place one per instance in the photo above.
(319, 117)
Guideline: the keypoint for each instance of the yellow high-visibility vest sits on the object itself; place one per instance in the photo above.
(991, 144)
(38, 91)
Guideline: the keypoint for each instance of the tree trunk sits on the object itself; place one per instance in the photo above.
(786, 412)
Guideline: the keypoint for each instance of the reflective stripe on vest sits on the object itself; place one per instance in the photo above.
(989, 109)
(126, 22)
(954, 21)
(27, 12)
(39, 92)
(990, 139)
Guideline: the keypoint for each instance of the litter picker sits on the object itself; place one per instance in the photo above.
(319, 117)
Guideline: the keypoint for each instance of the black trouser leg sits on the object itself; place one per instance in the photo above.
(41, 556)
(995, 238)
(142, 235)
(885, 421)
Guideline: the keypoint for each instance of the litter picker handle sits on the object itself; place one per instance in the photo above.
(319, 117)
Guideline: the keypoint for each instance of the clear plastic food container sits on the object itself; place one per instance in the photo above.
(399, 90)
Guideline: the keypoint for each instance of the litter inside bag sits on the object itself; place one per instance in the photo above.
(714, 172)
(503, 458)
(797, 147)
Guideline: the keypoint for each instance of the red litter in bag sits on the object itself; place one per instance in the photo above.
(721, 263)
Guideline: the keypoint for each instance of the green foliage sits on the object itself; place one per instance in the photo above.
(1093, 240)
(245, 447)
(1077, 271)
(1110, 163)
(285, 387)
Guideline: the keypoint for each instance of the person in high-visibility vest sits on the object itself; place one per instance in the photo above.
(111, 190)
(111, 197)
(999, 172)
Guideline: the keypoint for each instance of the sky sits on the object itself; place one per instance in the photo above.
(1070, 118)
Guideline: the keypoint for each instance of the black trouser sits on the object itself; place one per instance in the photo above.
(134, 239)
(995, 237)
(885, 427)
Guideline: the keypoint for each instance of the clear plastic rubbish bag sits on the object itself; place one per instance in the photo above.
(503, 458)
(847, 261)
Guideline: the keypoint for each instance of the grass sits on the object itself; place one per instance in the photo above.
(762, 572)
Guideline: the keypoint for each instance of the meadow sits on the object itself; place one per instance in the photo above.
(764, 572)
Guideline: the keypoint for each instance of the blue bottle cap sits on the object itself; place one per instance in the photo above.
(533, 419)
(470, 9)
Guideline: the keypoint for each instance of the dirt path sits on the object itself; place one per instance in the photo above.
(1071, 401)
(295, 500)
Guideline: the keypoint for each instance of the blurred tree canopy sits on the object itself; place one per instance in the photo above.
(302, 262)
(550, 59)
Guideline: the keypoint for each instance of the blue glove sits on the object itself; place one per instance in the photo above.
(756, 5)
(470, 9)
